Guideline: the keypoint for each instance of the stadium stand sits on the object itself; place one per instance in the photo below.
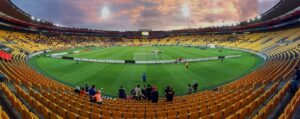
(3, 114)
(291, 107)
(257, 95)
(240, 99)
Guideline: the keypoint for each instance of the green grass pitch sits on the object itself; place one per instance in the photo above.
(110, 77)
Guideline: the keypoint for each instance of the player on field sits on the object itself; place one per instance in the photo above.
(186, 65)
(144, 77)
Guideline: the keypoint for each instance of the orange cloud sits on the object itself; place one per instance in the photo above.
(136, 14)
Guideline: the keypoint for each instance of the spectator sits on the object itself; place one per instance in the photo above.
(144, 91)
(86, 88)
(154, 95)
(83, 92)
(92, 91)
(167, 90)
(77, 89)
(148, 92)
(138, 93)
(189, 89)
(170, 95)
(98, 97)
(122, 93)
(195, 86)
(132, 92)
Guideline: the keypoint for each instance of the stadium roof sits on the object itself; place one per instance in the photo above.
(8, 8)
(228, 12)
(284, 6)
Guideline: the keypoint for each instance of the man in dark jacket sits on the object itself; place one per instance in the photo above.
(148, 92)
(92, 91)
(122, 93)
(167, 90)
(170, 95)
(195, 86)
(144, 92)
(86, 87)
(132, 93)
(154, 95)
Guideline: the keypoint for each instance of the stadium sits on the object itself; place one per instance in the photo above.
(168, 59)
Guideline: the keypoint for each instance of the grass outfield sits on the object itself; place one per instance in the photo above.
(208, 74)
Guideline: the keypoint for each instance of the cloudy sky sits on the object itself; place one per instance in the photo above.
(144, 14)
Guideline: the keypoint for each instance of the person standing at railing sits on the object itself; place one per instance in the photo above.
(122, 93)
(98, 97)
(83, 92)
(169, 94)
(92, 91)
(86, 88)
(132, 93)
(195, 86)
(148, 92)
(189, 89)
(138, 93)
(154, 95)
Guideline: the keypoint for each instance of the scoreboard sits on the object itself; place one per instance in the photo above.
(145, 33)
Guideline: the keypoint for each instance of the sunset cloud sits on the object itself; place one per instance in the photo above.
(141, 14)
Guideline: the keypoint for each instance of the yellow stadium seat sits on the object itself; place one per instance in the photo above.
(183, 116)
(84, 113)
(72, 115)
(204, 112)
(161, 114)
(127, 115)
(139, 115)
(217, 115)
(206, 117)
(117, 114)
(95, 116)
(106, 113)
(150, 115)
